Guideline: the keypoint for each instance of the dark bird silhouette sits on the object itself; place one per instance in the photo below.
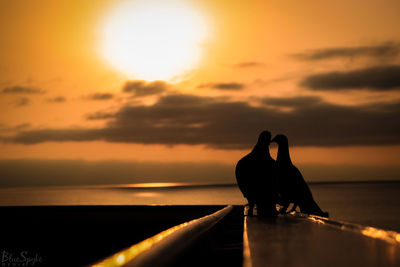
(291, 185)
(256, 176)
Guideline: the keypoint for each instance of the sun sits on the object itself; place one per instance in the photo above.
(154, 39)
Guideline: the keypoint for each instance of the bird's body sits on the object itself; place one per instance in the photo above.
(256, 177)
(292, 187)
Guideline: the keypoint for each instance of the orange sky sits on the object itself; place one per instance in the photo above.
(280, 63)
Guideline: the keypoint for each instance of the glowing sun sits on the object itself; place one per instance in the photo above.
(153, 39)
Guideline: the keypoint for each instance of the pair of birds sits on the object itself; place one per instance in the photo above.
(266, 182)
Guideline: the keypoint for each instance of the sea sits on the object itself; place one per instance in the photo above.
(369, 203)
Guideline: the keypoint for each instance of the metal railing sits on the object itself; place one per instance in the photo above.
(161, 249)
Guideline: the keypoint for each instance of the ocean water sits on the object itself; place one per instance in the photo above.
(372, 204)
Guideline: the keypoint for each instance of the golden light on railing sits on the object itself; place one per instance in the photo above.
(169, 236)
(317, 220)
(246, 245)
(388, 236)
(128, 254)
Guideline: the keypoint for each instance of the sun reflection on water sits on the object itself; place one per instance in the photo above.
(153, 185)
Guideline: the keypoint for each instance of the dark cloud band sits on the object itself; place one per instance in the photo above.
(142, 88)
(187, 119)
(383, 78)
(100, 96)
(388, 49)
(232, 86)
(21, 90)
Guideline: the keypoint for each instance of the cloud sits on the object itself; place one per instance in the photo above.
(291, 101)
(249, 64)
(22, 101)
(223, 86)
(100, 96)
(187, 119)
(383, 78)
(142, 88)
(57, 99)
(4, 128)
(388, 49)
(99, 116)
(21, 90)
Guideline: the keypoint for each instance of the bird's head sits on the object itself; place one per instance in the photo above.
(280, 139)
(264, 138)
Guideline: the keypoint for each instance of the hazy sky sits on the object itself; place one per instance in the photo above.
(193, 82)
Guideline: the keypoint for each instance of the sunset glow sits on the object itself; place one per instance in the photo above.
(134, 131)
(177, 91)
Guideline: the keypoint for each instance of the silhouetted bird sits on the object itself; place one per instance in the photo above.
(291, 185)
(256, 176)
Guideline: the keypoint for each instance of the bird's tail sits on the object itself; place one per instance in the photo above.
(311, 207)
